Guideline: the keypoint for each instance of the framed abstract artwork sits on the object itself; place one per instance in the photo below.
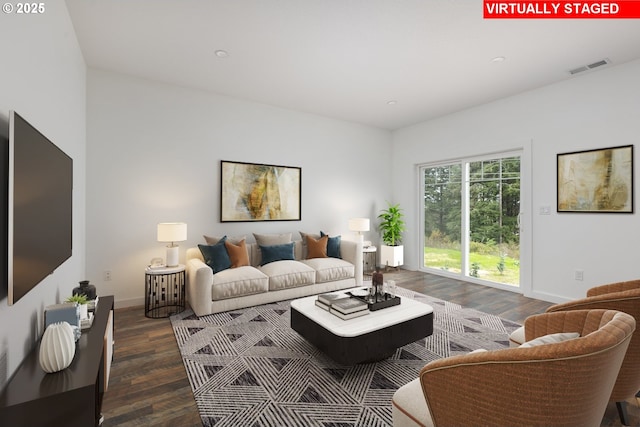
(259, 192)
(596, 180)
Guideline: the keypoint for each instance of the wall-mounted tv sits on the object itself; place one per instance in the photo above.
(39, 220)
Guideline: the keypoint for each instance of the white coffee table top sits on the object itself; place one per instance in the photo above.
(407, 310)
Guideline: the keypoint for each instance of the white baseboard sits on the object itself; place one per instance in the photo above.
(543, 296)
(131, 302)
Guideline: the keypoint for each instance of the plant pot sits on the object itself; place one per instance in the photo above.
(392, 256)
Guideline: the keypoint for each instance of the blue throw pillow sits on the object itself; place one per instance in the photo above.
(333, 246)
(216, 256)
(277, 253)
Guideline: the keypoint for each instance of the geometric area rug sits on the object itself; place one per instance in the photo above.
(247, 367)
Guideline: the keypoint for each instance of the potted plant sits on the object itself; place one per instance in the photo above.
(83, 302)
(392, 226)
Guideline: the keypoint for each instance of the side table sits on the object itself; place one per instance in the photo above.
(369, 259)
(164, 291)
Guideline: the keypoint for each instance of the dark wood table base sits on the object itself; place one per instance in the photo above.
(369, 347)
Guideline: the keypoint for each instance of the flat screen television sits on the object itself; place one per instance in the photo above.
(39, 220)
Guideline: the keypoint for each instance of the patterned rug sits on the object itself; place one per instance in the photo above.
(249, 368)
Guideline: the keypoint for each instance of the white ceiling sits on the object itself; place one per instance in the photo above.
(345, 58)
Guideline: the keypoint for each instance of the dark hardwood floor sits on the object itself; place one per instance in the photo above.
(149, 387)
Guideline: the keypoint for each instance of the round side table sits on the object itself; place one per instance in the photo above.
(164, 291)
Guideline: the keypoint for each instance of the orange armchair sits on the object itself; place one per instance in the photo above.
(622, 296)
(561, 384)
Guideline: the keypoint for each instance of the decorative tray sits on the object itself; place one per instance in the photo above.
(380, 302)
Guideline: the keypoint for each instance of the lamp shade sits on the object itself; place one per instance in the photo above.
(172, 232)
(359, 224)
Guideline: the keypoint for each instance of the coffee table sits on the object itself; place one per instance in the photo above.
(364, 339)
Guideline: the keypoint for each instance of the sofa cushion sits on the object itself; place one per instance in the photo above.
(288, 274)
(304, 236)
(272, 239)
(237, 282)
(268, 240)
(216, 256)
(317, 248)
(330, 269)
(277, 253)
(237, 253)
(333, 246)
(212, 240)
(305, 248)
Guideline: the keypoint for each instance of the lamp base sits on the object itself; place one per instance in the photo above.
(173, 253)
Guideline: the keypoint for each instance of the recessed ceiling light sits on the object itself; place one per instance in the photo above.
(392, 102)
(222, 53)
(498, 59)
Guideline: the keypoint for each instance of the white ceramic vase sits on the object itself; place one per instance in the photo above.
(57, 347)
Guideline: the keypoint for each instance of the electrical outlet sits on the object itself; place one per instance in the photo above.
(545, 210)
(579, 275)
(107, 275)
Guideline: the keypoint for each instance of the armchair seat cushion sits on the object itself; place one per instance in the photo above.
(516, 339)
(410, 407)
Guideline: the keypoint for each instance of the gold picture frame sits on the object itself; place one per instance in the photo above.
(597, 181)
(259, 192)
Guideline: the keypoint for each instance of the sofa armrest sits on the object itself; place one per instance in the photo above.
(199, 283)
(194, 253)
(352, 252)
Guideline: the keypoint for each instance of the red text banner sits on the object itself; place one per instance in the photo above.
(622, 9)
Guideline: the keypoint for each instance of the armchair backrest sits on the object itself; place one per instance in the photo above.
(621, 296)
(566, 383)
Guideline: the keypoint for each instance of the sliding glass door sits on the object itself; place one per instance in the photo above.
(471, 218)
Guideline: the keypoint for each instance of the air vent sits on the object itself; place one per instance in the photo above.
(578, 70)
(590, 66)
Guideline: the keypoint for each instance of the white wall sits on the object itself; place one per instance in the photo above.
(596, 110)
(43, 78)
(154, 154)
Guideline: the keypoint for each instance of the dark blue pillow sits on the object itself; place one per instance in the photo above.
(333, 246)
(216, 256)
(277, 253)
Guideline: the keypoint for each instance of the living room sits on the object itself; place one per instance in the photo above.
(147, 152)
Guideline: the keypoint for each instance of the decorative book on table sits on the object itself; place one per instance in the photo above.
(348, 316)
(328, 299)
(348, 305)
(322, 305)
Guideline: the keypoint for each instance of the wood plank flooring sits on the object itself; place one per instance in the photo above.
(149, 387)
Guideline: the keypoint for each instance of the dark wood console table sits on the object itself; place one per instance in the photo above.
(71, 397)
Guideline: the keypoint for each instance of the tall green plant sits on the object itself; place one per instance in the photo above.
(392, 225)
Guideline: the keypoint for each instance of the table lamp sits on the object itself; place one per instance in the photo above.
(359, 225)
(172, 232)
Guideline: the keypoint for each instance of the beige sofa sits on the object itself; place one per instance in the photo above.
(257, 284)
